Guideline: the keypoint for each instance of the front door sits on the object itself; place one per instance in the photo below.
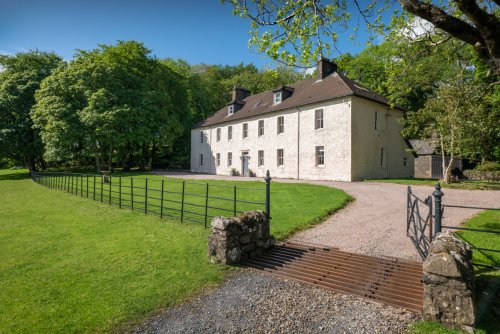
(244, 163)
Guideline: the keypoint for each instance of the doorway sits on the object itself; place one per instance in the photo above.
(245, 157)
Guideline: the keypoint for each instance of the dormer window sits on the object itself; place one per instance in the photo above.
(277, 97)
(230, 109)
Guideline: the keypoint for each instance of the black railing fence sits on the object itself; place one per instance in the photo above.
(190, 201)
(423, 223)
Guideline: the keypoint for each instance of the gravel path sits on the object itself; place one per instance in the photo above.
(375, 223)
(250, 302)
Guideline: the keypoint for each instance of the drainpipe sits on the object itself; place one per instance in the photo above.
(298, 142)
(210, 154)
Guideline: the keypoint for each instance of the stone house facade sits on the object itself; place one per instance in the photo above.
(324, 128)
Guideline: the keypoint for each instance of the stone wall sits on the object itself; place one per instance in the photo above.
(449, 283)
(235, 239)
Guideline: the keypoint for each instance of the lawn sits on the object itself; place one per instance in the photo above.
(464, 184)
(70, 264)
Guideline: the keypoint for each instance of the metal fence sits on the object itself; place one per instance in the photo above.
(422, 224)
(179, 199)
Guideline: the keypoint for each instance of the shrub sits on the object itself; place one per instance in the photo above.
(488, 166)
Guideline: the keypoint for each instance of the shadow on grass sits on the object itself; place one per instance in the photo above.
(9, 175)
(488, 301)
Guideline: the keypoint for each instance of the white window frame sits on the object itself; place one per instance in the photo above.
(230, 109)
(318, 119)
(245, 130)
(260, 160)
(278, 97)
(320, 158)
(229, 159)
(219, 131)
(230, 132)
(261, 127)
(280, 127)
(280, 157)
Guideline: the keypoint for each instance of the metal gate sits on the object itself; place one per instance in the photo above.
(419, 222)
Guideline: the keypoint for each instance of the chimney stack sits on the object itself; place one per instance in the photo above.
(240, 93)
(325, 68)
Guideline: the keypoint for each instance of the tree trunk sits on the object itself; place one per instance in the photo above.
(97, 159)
(447, 171)
(126, 165)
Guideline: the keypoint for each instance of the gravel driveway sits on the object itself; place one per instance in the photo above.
(375, 223)
(250, 302)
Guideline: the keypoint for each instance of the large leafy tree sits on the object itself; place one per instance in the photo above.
(20, 77)
(300, 31)
(109, 104)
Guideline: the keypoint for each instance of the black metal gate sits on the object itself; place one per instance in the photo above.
(419, 222)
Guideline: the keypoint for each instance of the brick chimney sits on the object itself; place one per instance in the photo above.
(240, 93)
(325, 68)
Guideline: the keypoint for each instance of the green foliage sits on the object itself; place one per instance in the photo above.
(20, 77)
(488, 166)
(72, 265)
(108, 104)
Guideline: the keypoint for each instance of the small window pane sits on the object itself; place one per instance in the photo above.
(320, 155)
(261, 128)
(280, 155)
(277, 97)
(230, 109)
(229, 132)
(318, 124)
(381, 157)
(201, 159)
(281, 124)
(218, 159)
(218, 134)
(201, 137)
(376, 119)
(261, 158)
(245, 130)
(229, 159)
(405, 161)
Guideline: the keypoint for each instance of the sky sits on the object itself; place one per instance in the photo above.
(199, 31)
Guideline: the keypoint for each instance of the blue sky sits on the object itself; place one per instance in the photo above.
(199, 31)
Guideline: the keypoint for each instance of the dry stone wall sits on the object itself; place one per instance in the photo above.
(448, 278)
(235, 239)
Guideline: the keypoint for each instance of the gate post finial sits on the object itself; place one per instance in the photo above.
(438, 194)
(268, 195)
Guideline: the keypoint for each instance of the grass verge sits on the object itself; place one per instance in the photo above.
(69, 264)
(469, 185)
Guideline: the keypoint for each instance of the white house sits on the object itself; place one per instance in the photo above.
(324, 128)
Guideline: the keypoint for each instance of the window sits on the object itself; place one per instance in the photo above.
(261, 158)
(201, 159)
(281, 124)
(218, 134)
(281, 157)
(318, 119)
(245, 130)
(405, 161)
(261, 127)
(376, 119)
(277, 97)
(230, 109)
(201, 137)
(381, 157)
(320, 155)
(218, 159)
(229, 132)
(229, 159)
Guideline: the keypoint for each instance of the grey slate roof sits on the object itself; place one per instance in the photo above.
(305, 92)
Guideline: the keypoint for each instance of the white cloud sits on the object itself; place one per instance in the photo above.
(418, 28)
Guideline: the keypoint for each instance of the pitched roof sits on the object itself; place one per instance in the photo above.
(423, 147)
(305, 92)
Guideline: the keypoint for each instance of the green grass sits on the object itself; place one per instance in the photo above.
(471, 185)
(70, 265)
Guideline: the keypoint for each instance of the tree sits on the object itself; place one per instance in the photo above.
(459, 120)
(109, 104)
(301, 31)
(20, 77)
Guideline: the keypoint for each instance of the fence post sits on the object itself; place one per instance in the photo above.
(120, 192)
(132, 192)
(206, 206)
(161, 204)
(234, 201)
(94, 189)
(109, 193)
(182, 201)
(438, 194)
(268, 195)
(431, 232)
(87, 188)
(102, 190)
(81, 186)
(146, 197)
